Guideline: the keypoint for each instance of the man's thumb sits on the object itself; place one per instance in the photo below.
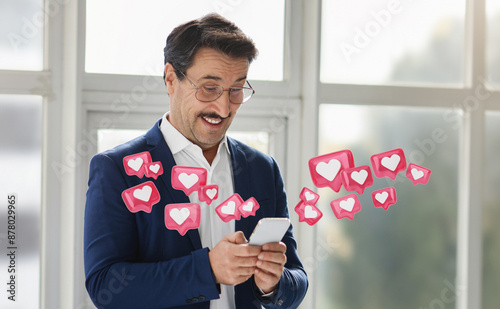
(237, 238)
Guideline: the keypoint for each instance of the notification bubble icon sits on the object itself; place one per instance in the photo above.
(141, 197)
(188, 179)
(325, 170)
(308, 213)
(384, 197)
(249, 207)
(182, 217)
(418, 174)
(134, 164)
(346, 207)
(389, 163)
(309, 196)
(153, 170)
(357, 178)
(208, 193)
(229, 209)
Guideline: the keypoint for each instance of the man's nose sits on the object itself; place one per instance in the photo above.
(222, 104)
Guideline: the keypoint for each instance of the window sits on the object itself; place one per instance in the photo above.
(136, 45)
(21, 186)
(493, 49)
(491, 212)
(406, 256)
(21, 35)
(393, 42)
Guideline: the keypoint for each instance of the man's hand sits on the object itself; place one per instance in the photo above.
(233, 261)
(270, 266)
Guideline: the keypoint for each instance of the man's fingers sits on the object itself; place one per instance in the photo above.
(236, 238)
(275, 246)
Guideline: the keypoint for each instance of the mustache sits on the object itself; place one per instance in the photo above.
(213, 115)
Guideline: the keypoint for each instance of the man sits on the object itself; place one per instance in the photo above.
(131, 259)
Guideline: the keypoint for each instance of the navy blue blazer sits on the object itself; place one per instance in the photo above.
(133, 261)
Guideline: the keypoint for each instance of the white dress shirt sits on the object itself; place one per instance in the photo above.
(212, 229)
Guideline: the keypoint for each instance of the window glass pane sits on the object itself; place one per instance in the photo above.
(393, 42)
(493, 48)
(21, 187)
(135, 42)
(21, 35)
(404, 257)
(491, 213)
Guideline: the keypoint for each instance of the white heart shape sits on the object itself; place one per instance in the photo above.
(180, 215)
(347, 204)
(310, 213)
(392, 162)
(188, 180)
(229, 208)
(381, 197)
(135, 164)
(154, 168)
(248, 206)
(328, 170)
(143, 194)
(211, 193)
(416, 173)
(309, 196)
(359, 177)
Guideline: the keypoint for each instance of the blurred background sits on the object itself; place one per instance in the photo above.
(81, 76)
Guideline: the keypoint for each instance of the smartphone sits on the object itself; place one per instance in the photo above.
(269, 230)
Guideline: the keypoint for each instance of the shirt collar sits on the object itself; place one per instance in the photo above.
(178, 142)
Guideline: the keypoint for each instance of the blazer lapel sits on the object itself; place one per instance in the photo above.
(161, 152)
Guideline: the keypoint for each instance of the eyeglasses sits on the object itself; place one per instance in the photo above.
(209, 93)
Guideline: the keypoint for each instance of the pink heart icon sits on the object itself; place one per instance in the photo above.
(384, 197)
(208, 193)
(153, 170)
(418, 174)
(308, 213)
(249, 207)
(188, 179)
(325, 170)
(229, 209)
(141, 197)
(346, 207)
(309, 196)
(357, 178)
(389, 163)
(182, 217)
(134, 164)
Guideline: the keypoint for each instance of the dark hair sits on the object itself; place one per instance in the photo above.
(212, 31)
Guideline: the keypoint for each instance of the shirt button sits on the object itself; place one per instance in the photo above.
(194, 299)
(280, 302)
(201, 298)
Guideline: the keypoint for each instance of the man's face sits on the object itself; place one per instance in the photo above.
(205, 123)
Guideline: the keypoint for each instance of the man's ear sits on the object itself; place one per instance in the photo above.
(170, 77)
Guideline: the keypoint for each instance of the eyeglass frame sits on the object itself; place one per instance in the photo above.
(229, 90)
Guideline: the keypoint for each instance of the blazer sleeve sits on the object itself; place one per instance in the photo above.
(293, 284)
(114, 278)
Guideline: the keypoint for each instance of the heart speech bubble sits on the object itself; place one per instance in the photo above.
(325, 170)
(418, 174)
(384, 197)
(153, 169)
(308, 213)
(134, 164)
(188, 179)
(141, 197)
(208, 193)
(357, 178)
(346, 207)
(182, 217)
(389, 163)
(228, 210)
(248, 207)
(309, 196)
